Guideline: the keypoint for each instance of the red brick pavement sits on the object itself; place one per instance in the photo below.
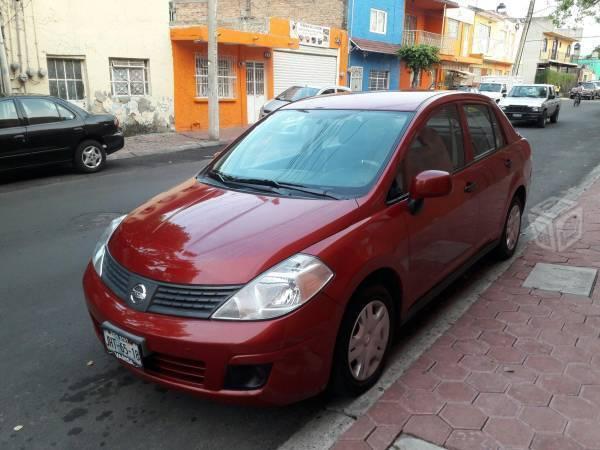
(519, 370)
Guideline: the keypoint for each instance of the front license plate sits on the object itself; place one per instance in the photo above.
(517, 116)
(123, 348)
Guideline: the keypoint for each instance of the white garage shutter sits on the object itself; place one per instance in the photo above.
(295, 68)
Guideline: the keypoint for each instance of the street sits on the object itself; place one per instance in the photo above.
(57, 381)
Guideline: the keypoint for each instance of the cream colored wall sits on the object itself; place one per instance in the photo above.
(96, 31)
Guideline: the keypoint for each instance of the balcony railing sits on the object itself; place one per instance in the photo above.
(450, 46)
(416, 37)
(546, 56)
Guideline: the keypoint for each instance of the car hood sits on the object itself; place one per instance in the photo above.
(522, 101)
(494, 95)
(200, 234)
(275, 104)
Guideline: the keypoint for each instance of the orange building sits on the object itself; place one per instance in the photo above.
(423, 24)
(247, 71)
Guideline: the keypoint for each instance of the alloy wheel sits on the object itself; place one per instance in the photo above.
(91, 157)
(513, 227)
(369, 340)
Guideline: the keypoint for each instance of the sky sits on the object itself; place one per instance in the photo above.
(518, 8)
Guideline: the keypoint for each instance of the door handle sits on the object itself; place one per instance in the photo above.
(78, 129)
(19, 137)
(470, 187)
(508, 163)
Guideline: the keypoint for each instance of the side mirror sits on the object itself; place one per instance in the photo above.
(551, 97)
(428, 184)
(504, 94)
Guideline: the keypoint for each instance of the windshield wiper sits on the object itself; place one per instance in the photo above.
(227, 179)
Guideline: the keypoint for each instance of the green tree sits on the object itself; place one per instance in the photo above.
(418, 58)
(575, 9)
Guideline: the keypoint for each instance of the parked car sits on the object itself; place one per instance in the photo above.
(495, 91)
(465, 88)
(36, 130)
(299, 92)
(288, 264)
(589, 91)
(532, 102)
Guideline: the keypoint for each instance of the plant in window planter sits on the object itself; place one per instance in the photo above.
(419, 58)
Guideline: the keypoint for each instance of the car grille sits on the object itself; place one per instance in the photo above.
(517, 108)
(172, 368)
(198, 301)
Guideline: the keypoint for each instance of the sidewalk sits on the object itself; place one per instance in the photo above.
(151, 144)
(520, 369)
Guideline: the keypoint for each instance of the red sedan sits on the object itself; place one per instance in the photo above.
(286, 266)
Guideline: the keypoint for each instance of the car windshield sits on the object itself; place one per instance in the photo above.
(296, 93)
(529, 91)
(490, 87)
(335, 152)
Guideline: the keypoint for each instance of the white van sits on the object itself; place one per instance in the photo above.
(497, 87)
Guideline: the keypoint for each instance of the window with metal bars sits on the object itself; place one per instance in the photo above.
(379, 80)
(65, 77)
(129, 77)
(227, 76)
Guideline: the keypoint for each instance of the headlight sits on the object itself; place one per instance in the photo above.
(535, 109)
(278, 291)
(100, 249)
(503, 107)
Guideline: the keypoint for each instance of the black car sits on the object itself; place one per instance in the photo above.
(37, 130)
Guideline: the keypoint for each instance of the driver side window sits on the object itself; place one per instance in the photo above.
(438, 145)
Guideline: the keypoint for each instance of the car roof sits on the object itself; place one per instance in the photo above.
(382, 100)
(19, 95)
(534, 84)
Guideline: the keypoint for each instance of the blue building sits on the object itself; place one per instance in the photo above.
(375, 29)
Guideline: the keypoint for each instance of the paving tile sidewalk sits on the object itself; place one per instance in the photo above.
(155, 143)
(520, 369)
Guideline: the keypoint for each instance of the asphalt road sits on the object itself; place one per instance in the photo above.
(50, 220)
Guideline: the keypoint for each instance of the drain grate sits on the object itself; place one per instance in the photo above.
(565, 279)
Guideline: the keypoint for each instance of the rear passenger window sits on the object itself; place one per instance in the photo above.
(40, 111)
(437, 146)
(483, 138)
(8, 114)
(65, 114)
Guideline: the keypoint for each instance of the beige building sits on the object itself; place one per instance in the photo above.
(106, 56)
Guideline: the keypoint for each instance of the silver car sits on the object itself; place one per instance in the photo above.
(297, 93)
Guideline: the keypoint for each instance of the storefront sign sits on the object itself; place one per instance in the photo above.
(308, 34)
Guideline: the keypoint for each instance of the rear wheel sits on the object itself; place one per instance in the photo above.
(541, 123)
(512, 230)
(363, 341)
(90, 157)
(554, 117)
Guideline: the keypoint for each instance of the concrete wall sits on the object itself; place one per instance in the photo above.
(251, 15)
(95, 31)
(359, 19)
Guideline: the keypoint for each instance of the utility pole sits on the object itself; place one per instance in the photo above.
(213, 73)
(519, 56)
(4, 76)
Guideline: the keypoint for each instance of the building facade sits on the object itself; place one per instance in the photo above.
(375, 29)
(265, 47)
(61, 47)
(548, 47)
(424, 24)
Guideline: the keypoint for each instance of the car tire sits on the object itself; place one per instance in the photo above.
(512, 230)
(554, 117)
(541, 123)
(89, 157)
(349, 375)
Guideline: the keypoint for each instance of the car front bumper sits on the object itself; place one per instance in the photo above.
(298, 348)
(530, 115)
(114, 142)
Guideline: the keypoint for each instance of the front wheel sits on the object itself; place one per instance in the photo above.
(89, 157)
(512, 230)
(363, 341)
(541, 123)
